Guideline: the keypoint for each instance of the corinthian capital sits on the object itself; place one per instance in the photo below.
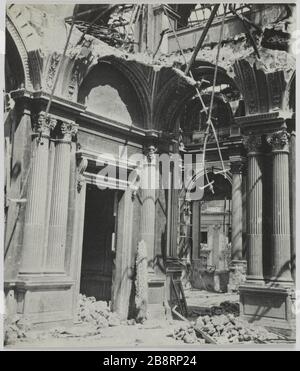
(149, 152)
(43, 124)
(253, 143)
(68, 129)
(279, 140)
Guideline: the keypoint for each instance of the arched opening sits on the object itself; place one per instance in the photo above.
(205, 235)
(107, 92)
(194, 113)
(14, 71)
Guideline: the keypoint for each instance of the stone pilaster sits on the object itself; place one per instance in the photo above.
(148, 184)
(55, 261)
(237, 212)
(281, 238)
(35, 214)
(254, 209)
(238, 265)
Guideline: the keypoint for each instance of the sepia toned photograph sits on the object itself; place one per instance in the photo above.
(149, 175)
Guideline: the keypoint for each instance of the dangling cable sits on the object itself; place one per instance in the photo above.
(209, 183)
(209, 121)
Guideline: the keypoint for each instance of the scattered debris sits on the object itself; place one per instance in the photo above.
(187, 334)
(227, 329)
(97, 313)
(16, 329)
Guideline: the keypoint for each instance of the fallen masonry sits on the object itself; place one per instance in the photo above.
(223, 329)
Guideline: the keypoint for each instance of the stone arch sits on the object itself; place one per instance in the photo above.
(129, 83)
(176, 95)
(27, 42)
(262, 90)
(123, 83)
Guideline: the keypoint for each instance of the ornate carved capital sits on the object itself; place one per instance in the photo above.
(43, 125)
(68, 129)
(253, 144)
(279, 140)
(149, 152)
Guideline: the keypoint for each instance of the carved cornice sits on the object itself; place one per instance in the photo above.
(279, 141)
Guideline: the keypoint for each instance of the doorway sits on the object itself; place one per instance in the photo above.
(98, 253)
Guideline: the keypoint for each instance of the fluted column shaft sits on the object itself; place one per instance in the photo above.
(292, 160)
(35, 214)
(237, 211)
(55, 262)
(281, 238)
(255, 210)
(148, 184)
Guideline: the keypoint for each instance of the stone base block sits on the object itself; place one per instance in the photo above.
(43, 300)
(237, 275)
(269, 306)
(156, 298)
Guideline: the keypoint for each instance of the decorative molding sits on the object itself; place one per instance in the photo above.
(50, 77)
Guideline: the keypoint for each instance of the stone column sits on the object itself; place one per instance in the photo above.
(238, 265)
(35, 214)
(293, 202)
(148, 185)
(55, 262)
(237, 212)
(281, 238)
(255, 209)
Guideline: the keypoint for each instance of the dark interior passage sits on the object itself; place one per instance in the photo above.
(97, 253)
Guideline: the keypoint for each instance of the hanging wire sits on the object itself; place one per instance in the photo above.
(205, 109)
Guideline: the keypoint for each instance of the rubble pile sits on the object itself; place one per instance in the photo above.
(187, 334)
(97, 313)
(228, 329)
(222, 329)
(16, 329)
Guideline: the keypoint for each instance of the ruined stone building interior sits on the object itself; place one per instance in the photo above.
(214, 82)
